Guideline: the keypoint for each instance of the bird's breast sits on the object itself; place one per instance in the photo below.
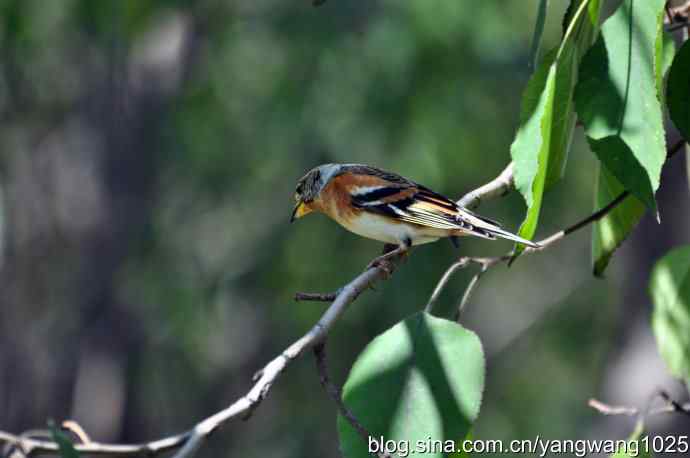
(336, 203)
(385, 229)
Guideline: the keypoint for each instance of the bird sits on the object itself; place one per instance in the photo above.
(389, 208)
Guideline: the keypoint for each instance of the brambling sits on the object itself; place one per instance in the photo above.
(387, 207)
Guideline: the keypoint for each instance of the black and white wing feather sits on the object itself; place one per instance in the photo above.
(394, 196)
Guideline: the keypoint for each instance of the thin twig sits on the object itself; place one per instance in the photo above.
(487, 263)
(459, 264)
(471, 286)
(669, 14)
(680, 13)
(270, 373)
(477, 195)
(335, 394)
(30, 446)
(671, 406)
(316, 297)
(189, 442)
(498, 187)
(606, 409)
(675, 405)
(677, 17)
(76, 429)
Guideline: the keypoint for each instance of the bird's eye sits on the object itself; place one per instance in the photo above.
(299, 189)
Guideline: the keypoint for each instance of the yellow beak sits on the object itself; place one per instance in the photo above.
(299, 211)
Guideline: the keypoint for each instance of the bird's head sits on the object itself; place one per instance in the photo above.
(310, 186)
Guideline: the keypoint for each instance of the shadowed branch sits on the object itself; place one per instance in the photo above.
(189, 442)
(500, 186)
(336, 395)
(670, 406)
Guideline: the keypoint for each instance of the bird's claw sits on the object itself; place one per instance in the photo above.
(384, 264)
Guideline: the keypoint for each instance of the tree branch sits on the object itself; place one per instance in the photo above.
(606, 409)
(190, 441)
(498, 187)
(487, 263)
(316, 297)
(677, 17)
(336, 395)
(459, 264)
(670, 406)
(471, 286)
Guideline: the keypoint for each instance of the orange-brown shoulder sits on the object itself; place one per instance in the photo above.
(349, 181)
(335, 199)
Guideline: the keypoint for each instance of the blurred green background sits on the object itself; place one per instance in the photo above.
(149, 152)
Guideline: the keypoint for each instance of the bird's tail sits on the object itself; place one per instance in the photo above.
(486, 228)
(498, 232)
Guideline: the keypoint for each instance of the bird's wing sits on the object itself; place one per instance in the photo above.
(392, 195)
(396, 197)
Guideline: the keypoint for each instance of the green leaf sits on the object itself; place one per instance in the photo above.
(618, 159)
(547, 117)
(614, 228)
(670, 291)
(538, 32)
(678, 93)
(610, 232)
(590, 30)
(634, 447)
(617, 96)
(531, 148)
(423, 378)
(66, 448)
(587, 31)
(665, 52)
(461, 453)
(566, 77)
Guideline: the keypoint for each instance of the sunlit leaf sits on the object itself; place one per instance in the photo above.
(576, 45)
(538, 32)
(531, 148)
(618, 159)
(547, 118)
(617, 97)
(612, 230)
(670, 291)
(664, 55)
(423, 378)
